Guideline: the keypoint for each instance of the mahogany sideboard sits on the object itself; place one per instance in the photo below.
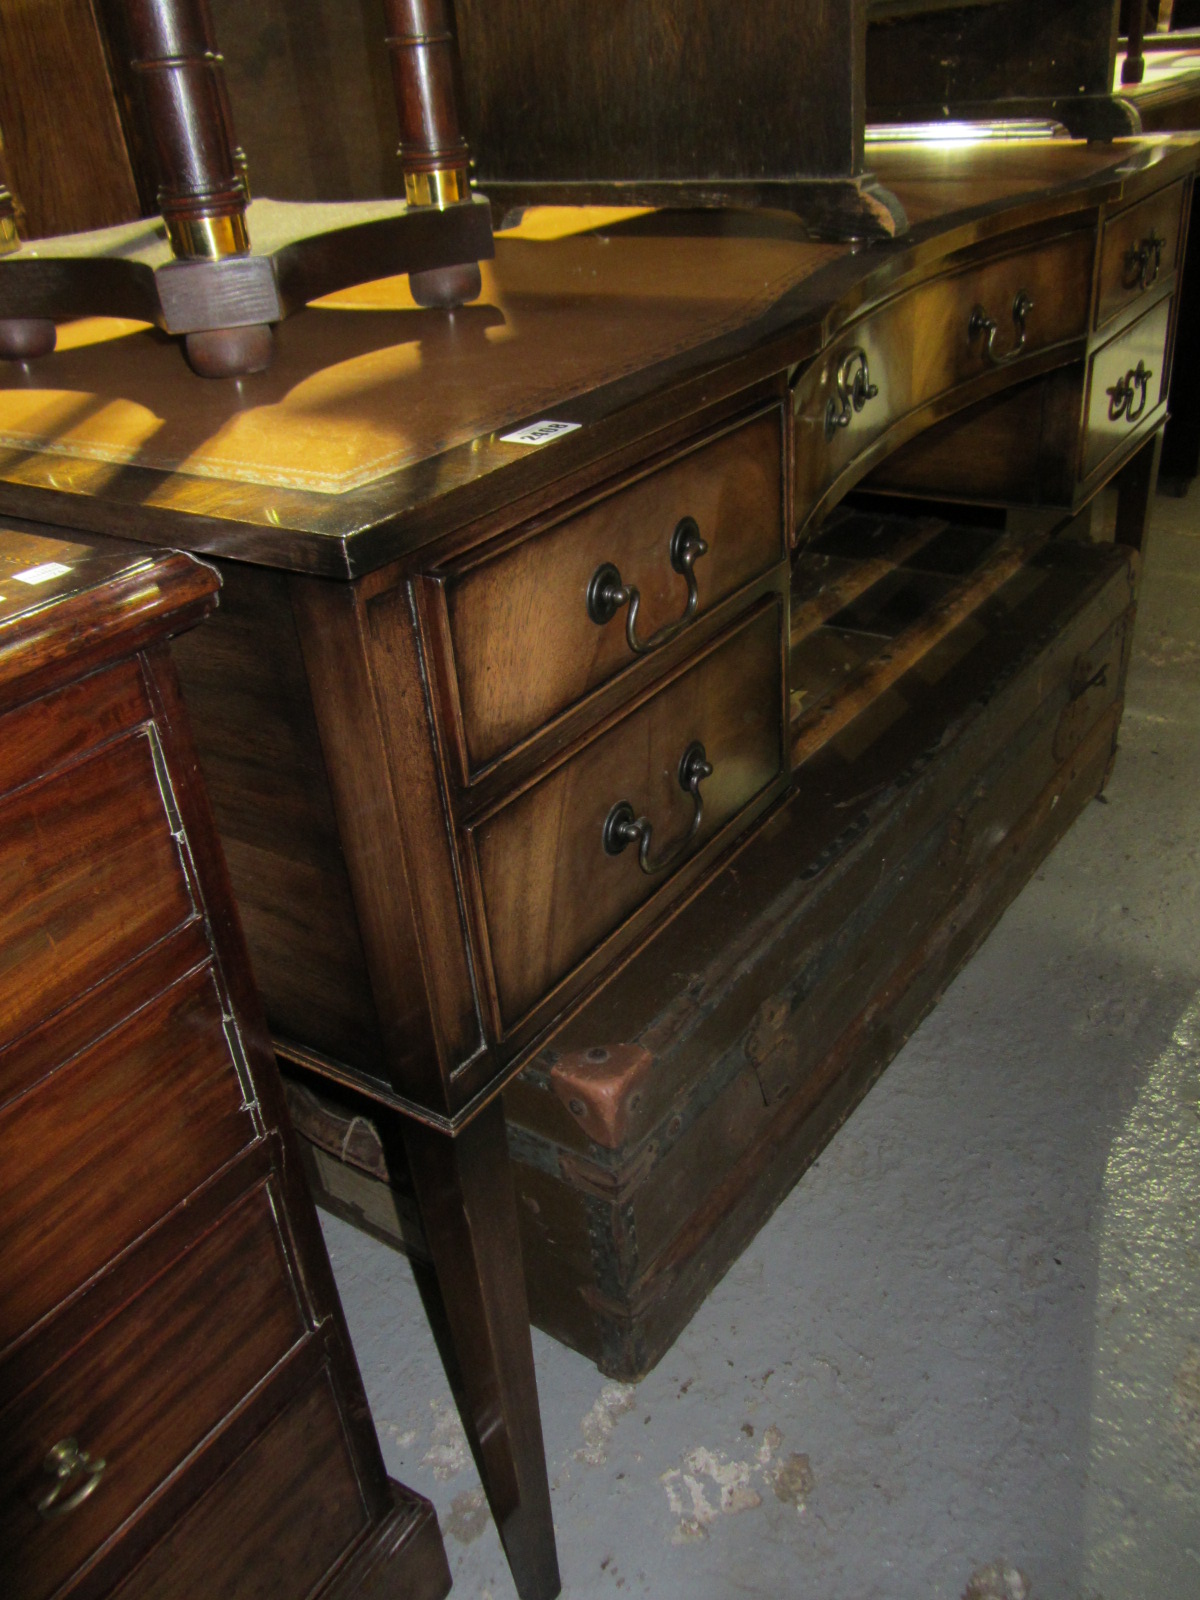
(508, 666)
(182, 1414)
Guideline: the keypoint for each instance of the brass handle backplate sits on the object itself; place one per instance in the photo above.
(1121, 393)
(852, 390)
(606, 593)
(1143, 261)
(623, 827)
(76, 1475)
(983, 326)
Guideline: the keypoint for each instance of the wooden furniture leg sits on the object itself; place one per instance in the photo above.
(201, 183)
(1133, 68)
(201, 179)
(21, 338)
(433, 152)
(1135, 492)
(464, 1188)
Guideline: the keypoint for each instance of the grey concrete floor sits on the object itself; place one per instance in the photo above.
(963, 1358)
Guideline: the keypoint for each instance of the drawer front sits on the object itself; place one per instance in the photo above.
(1140, 246)
(551, 888)
(528, 634)
(1127, 387)
(928, 342)
(90, 876)
(274, 1524)
(99, 1151)
(141, 1394)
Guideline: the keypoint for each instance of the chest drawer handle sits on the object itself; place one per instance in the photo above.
(985, 327)
(1120, 395)
(622, 827)
(606, 594)
(1143, 261)
(853, 388)
(75, 1475)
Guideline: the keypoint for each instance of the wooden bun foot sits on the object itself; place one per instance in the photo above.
(24, 338)
(444, 287)
(230, 352)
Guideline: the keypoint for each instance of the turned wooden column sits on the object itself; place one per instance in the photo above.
(1133, 68)
(432, 150)
(200, 169)
(201, 183)
(21, 338)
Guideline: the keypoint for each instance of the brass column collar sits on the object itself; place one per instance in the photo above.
(444, 186)
(208, 238)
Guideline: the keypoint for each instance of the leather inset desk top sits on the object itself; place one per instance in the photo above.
(366, 382)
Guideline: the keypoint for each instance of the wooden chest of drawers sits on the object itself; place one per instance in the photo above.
(180, 1412)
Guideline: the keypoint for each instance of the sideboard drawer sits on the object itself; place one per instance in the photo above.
(163, 1084)
(925, 343)
(1127, 386)
(280, 1517)
(96, 841)
(555, 879)
(529, 634)
(225, 1313)
(1140, 246)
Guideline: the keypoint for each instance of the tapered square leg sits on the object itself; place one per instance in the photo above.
(465, 1192)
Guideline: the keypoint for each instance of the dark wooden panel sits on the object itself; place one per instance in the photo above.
(312, 101)
(1018, 448)
(145, 1390)
(940, 56)
(62, 130)
(95, 845)
(524, 646)
(272, 1525)
(550, 892)
(163, 1085)
(668, 89)
(251, 713)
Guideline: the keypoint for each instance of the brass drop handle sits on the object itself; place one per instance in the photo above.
(76, 1475)
(622, 827)
(852, 390)
(1143, 261)
(606, 593)
(1120, 395)
(987, 328)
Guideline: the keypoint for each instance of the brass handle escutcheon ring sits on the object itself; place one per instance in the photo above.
(1120, 395)
(606, 593)
(76, 1475)
(981, 325)
(852, 390)
(622, 827)
(1143, 261)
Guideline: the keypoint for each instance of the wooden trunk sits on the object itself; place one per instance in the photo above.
(678, 1108)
